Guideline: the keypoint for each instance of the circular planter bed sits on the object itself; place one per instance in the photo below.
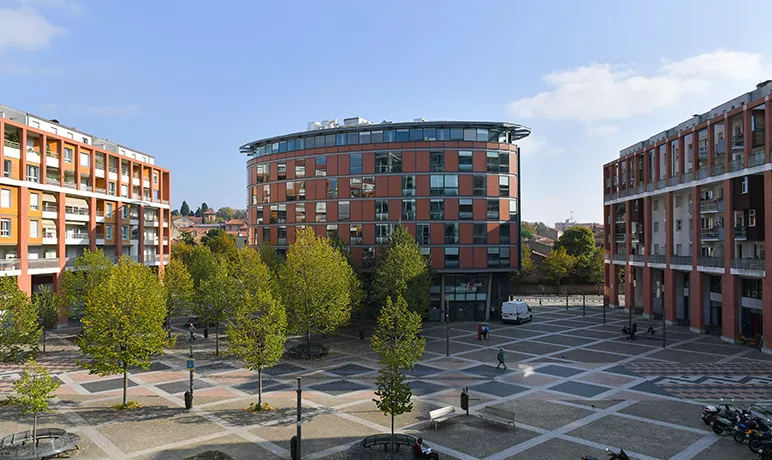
(302, 351)
(50, 443)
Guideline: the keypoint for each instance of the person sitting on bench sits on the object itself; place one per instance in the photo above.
(421, 451)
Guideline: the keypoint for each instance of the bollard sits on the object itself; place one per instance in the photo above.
(188, 400)
(465, 399)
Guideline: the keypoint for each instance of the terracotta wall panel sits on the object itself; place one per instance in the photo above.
(395, 186)
(466, 257)
(451, 209)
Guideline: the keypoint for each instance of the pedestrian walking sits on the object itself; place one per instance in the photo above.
(485, 331)
(192, 329)
(500, 357)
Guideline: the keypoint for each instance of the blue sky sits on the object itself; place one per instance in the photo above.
(190, 81)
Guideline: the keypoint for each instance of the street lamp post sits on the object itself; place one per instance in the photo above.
(447, 329)
(664, 323)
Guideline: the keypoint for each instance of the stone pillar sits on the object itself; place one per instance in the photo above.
(648, 301)
(730, 283)
(748, 135)
(767, 282)
(668, 160)
(711, 150)
(613, 285)
(697, 302)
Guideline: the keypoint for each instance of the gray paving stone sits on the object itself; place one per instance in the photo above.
(485, 370)
(544, 328)
(567, 340)
(350, 370)
(497, 389)
(559, 371)
(422, 388)
(580, 389)
(589, 356)
(268, 385)
(183, 386)
(283, 368)
(106, 385)
(650, 387)
(156, 366)
(621, 370)
(421, 370)
(214, 368)
(338, 387)
(534, 348)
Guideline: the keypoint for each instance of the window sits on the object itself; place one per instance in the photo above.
(368, 186)
(678, 201)
(266, 193)
(678, 225)
(125, 212)
(291, 194)
(108, 210)
(332, 188)
(677, 250)
(408, 210)
(437, 161)
(321, 212)
(504, 162)
(124, 191)
(67, 155)
(7, 168)
(281, 171)
(492, 208)
(479, 233)
(321, 166)
(300, 212)
(408, 185)
(355, 232)
(34, 201)
(465, 160)
(301, 189)
(5, 227)
(5, 198)
(446, 185)
(344, 211)
(388, 162)
(451, 233)
(34, 229)
(381, 210)
(274, 214)
(355, 163)
(382, 232)
(465, 209)
(125, 232)
(492, 162)
(504, 234)
(281, 234)
(355, 187)
(513, 209)
(751, 288)
(423, 234)
(266, 234)
(111, 188)
(32, 173)
(503, 257)
(656, 205)
(479, 186)
(470, 134)
(437, 209)
(451, 257)
(751, 218)
(155, 177)
(85, 161)
(745, 185)
(494, 259)
(656, 227)
(504, 186)
(656, 249)
(300, 168)
(108, 232)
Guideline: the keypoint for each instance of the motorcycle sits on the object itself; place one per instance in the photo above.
(727, 419)
(765, 450)
(757, 439)
(612, 456)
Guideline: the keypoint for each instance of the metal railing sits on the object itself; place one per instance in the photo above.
(680, 260)
(673, 180)
(649, 187)
(165, 201)
(661, 184)
(710, 261)
(709, 233)
(736, 165)
(702, 173)
(657, 259)
(100, 213)
(76, 210)
(100, 190)
(621, 238)
(717, 169)
(85, 187)
(9, 264)
(49, 234)
(740, 232)
(11, 144)
(78, 235)
(687, 177)
(113, 169)
(99, 165)
(709, 205)
(619, 257)
(636, 257)
(44, 263)
(33, 179)
(70, 185)
(623, 193)
(639, 189)
(50, 208)
(756, 159)
(749, 264)
(738, 141)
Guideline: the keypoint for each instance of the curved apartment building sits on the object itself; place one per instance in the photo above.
(453, 184)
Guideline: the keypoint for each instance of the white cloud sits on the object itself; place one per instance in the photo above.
(537, 145)
(601, 130)
(67, 6)
(24, 28)
(605, 92)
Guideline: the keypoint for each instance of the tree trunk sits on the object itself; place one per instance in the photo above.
(260, 388)
(125, 383)
(392, 435)
(308, 341)
(217, 338)
(44, 340)
(34, 432)
(169, 326)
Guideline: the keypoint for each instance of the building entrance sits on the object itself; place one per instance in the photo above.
(466, 296)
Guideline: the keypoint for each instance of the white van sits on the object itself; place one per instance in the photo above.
(515, 311)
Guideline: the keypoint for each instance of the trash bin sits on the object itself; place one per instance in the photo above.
(206, 332)
(294, 447)
(188, 400)
(465, 400)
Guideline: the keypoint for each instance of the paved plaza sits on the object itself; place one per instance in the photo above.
(575, 386)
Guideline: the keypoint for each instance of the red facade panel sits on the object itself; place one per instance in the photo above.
(408, 161)
(343, 165)
(368, 163)
(465, 233)
(290, 169)
(395, 210)
(273, 171)
(368, 210)
(466, 257)
(438, 255)
(422, 161)
(281, 193)
(356, 256)
(321, 188)
(513, 163)
(438, 234)
(395, 186)
(410, 228)
(503, 209)
(451, 160)
(493, 233)
(368, 234)
(451, 209)
(465, 185)
(479, 211)
(422, 209)
(480, 258)
(291, 213)
(381, 186)
(356, 211)
(422, 185)
(344, 188)
(513, 256)
(478, 161)
(274, 235)
(332, 165)
(493, 185)
(332, 211)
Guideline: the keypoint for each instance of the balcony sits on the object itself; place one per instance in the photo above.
(636, 237)
(703, 151)
(757, 159)
(749, 264)
(673, 180)
(718, 169)
(49, 236)
(44, 263)
(702, 173)
(52, 154)
(657, 259)
(75, 211)
(622, 193)
(34, 179)
(687, 177)
(70, 185)
(680, 260)
(100, 165)
(710, 233)
(738, 141)
(649, 187)
(50, 208)
(740, 232)
(710, 261)
(100, 190)
(9, 264)
(621, 238)
(661, 184)
(114, 169)
(80, 235)
(620, 219)
(619, 257)
(607, 197)
(85, 187)
(737, 164)
(636, 258)
(639, 189)
(709, 206)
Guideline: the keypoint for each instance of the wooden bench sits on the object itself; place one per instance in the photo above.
(440, 415)
(502, 416)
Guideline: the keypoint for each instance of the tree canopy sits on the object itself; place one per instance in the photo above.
(577, 241)
(558, 265)
(216, 297)
(528, 231)
(185, 208)
(46, 306)
(527, 267)
(221, 243)
(88, 270)
(403, 272)
(34, 390)
(270, 256)
(19, 329)
(225, 213)
(179, 290)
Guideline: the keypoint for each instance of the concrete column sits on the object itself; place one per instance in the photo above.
(656, 165)
(670, 302)
(696, 233)
(711, 150)
(727, 142)
(767, 130)
(697, 302)
(767, 282)
(646, 168)
(669, 227)
(668, 159)
(730, 283)
(629, 269)
(696, 152)
(681, 158)
(648, 300)
(613, 285)
(748, 135)
(160, 250)
(43, 159)
(141, 231)
(61, 230)
(92, 223)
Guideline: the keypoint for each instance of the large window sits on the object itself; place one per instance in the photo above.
(479, 185)
(465, 210)
(291, 194)
(492, 209)
(437, 162)
(443, 185)
(504, 233)
(504, 162)
(300, 212)
(5, 227)
(321, 212)
(451, 257)
(751, 288)
(388, 162)
(332, 188)
(368, 186)
(344, 211)
(7, 168)
(465, 160)
(85, 160)
(266, 193)
(34, 229)
(355, 187)
(355, 234)
(281, 235)
(300, 167)
(32, 173)
(451, 233)
(408, 185)
(281, 169)
(34, 201)
(503, 186)
(423, 233)
(437, 209)
(5, 198)
(513, 209)
(408, 210)
(492, 162)
(355, 163)
(479, 233)
(498, 257)
(382, 232)
(68, 155)
(300, 186)
(381, 210)
(321, 166)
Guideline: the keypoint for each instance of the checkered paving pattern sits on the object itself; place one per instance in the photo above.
(717, 392)
(762, 369)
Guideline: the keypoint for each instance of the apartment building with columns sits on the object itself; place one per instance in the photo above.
(685, 218)
(63, 191)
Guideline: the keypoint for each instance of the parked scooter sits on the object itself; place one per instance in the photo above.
(611, 455)
(765, 450)
(758, 437)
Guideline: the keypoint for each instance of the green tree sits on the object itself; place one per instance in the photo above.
(225, 213)
(175, 213)
(179, 290)
(589, 267)
(358, 294)
(187, 238)
(185, 208)
(528, 231)
(33, 391)
(19, 329)
(198, 213)
(257, 334)
(88, 271)
(216, 297)
(251, 272)
(221, 243)
(270, 256)
(240, 214)
(403, 271)
(201, 263)
(123, 324)
(396, 340)
(315, 285)
(527, 267)
(558, 266)
(46, 305)
(540, 227)
(577, 241)
(204, 207)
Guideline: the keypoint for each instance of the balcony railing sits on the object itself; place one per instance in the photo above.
(673, 180)
(749, 264)
(619, 257)
(78, 235)
(709, 205)
(649, 187)
(738, 141)
(661, 184)
(100, 190)
(50, 208)
(607, 197)
(707, 261)
(52, 154)
(44, 263)
(657, 259)
(621, 238)
(70, 185)
(740, 232)
(76, 211)
(703, 151)
(709, 233)
(718, 169)
(33, 179)
(100, 213)
(85, 187)
(113, 169)
(165, 201)
(639, 189)
(736, 165)
(687, 177)
(49, 234)
(9, 264)
(623, 193)
(757, 159)
(636, 257)
(99, 165)
(11, 144)
(680, 260)
(702, 173)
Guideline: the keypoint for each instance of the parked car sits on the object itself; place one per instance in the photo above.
(516, 311)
